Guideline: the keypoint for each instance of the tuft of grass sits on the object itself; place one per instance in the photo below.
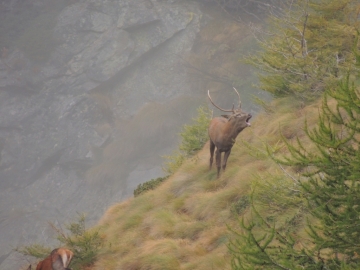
(189, 230)
(161, 223)
(161, 261)
(132, 221)
(213, 184)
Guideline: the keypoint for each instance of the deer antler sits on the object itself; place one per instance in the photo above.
(218, 106)
(239, 97)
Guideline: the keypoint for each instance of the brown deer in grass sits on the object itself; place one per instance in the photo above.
(59, 259)
(223, 131)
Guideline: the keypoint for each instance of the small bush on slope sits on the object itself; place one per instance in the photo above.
(149, 185)
(85, 244)
(193, 136)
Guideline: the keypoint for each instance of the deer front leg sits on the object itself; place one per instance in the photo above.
(226, 155)
(212, 149)
(218, 161)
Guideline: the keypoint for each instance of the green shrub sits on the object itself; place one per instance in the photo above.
(149, 185)
(35, 250)
(84, 243)
(309, 219)
(193, 136)
(174, 162)
(305, 47)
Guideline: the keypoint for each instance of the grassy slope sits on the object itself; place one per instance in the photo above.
(183, 223)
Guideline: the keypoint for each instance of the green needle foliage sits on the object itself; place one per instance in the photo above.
(85, 243)
(330, 182)
(270, 248)
(333, 173)
(306, 47)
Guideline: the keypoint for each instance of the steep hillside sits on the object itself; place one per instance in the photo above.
(183, 224)
(301, 217)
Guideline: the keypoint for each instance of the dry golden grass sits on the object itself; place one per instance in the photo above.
(183, 223)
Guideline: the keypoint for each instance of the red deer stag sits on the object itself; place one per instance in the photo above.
(223, 132)
(59, 259)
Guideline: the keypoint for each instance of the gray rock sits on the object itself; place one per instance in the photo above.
(75, 130)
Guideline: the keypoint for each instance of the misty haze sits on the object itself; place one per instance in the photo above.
(93, 95)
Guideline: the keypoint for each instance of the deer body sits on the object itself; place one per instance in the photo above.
(223, 132)
(59, 259)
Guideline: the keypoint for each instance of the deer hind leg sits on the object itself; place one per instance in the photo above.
(218, 161)
(212, 149)
(226, 155)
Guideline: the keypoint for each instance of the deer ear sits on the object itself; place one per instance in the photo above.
(226, 116)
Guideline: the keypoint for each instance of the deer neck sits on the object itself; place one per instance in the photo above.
(232, 130)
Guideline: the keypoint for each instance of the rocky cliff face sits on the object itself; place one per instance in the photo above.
(80, 130)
